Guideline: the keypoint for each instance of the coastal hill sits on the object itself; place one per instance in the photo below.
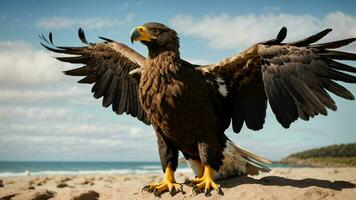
(341, 155)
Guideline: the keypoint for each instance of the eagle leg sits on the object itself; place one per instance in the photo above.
(167, 184)
(169, 160)
(206, 182)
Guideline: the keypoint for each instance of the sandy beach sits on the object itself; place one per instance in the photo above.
(281, 183)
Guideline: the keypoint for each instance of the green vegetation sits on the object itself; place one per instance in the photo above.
(339, 150)
(337, 160)
(341, 155)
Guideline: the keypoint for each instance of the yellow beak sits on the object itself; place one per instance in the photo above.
(140, 33)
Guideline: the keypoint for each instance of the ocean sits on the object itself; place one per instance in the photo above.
(22, 168)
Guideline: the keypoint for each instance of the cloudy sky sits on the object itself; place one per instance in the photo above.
(47, 116)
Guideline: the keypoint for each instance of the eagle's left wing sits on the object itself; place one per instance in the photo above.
(293, 77)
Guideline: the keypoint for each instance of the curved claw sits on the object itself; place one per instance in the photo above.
(168, 184)
(207, 193)
(196, 190)
(206, 183)
(189, 183)
(148, 188)
(159, 188)
(157, 193)
(220, 191)
(172, 192)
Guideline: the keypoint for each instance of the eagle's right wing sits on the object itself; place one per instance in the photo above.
(107, 65)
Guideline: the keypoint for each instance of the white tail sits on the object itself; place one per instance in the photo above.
(238, 162)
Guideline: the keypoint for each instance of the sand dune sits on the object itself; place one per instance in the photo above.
(281, 183)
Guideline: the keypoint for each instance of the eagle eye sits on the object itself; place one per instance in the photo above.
(156, 31)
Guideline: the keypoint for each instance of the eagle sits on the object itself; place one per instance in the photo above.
(190, 106)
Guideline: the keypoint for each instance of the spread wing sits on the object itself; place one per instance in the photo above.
(294, 77)
(106, 65)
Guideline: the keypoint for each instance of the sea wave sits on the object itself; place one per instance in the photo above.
(143, 170)
(151, 167)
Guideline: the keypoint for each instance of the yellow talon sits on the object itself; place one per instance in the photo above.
(198, 179)
(206, 182)
(167, 184)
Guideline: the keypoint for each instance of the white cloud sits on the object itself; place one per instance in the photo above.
(22, 65)
(136, 132)
(40, 113)
(43, 95)
(35, 113)
(241, 31)
(28, 75)
(344, 25)
(69, 133)
(86, 23)
(71, 143)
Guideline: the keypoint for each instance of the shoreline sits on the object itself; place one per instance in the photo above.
(296, 183)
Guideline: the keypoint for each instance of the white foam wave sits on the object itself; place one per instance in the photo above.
(147, 170)
(151, 167)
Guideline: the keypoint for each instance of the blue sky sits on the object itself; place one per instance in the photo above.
(46, 116)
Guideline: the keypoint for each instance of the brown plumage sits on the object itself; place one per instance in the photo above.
(191, 106)
(107, 65)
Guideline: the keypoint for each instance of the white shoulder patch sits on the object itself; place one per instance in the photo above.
(222, 86)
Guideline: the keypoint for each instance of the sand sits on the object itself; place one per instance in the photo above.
(281, 183)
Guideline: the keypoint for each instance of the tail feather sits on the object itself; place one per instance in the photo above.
(252, 155)
(258, 165)
(240, 162)
(237, 162)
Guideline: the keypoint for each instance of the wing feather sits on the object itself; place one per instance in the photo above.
(82, 71)
(339, 55)
(338, 90)
(72, 59)
(108, 96)
(102, 84)
(311, 39)
(341, 66)
(295, 76)
(88, 79)
(117, 95)
(107, 66)
(334, 45)
(124, 95)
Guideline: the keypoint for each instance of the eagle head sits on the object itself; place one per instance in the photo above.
(156, 36)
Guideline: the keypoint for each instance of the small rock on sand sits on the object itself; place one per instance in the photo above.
(65, 179)
(87, 182)
(7, 196)
(35, 195)
(88, 195)
(62, 185)
(1, 183)
(31, 187)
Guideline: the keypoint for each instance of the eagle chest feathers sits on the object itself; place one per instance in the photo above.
(161, 86)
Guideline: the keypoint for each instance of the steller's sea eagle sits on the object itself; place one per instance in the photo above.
(190, 106)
